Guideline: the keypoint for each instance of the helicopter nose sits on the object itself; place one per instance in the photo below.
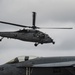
(50, 41)
(53, 42)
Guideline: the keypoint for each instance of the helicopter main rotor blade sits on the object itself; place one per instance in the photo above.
(34, 27)
(54, 28)
(34, 19)
(14, 24)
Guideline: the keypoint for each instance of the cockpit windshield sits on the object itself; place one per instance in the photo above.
(20, 59)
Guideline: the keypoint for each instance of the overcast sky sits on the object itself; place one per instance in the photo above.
(50, 13)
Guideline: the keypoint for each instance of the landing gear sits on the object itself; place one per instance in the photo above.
(53, 42)
(36, 44)
(41, 42)
(1, 38)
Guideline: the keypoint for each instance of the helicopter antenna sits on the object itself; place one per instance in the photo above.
(34, 19)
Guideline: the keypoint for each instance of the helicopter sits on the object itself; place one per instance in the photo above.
(29, 33)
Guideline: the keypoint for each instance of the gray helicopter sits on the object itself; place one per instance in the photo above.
(29, 33)
(39, 66)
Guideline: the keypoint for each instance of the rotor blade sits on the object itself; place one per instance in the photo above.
(34, 27)
(14, 24)
(34, 19)
(54, 28)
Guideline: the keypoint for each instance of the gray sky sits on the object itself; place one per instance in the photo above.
(50, 13)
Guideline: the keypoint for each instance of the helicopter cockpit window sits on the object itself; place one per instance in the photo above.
(39, 34)
(20, 59)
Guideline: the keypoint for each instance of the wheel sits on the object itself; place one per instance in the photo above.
(41, 43)
(0, 39)
(35, 44)
(53, 42)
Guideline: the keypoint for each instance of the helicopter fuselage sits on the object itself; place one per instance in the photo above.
(28, 35)
(31, 34)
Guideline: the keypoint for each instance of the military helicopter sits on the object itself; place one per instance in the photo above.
(31, 65)
(29, 33)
